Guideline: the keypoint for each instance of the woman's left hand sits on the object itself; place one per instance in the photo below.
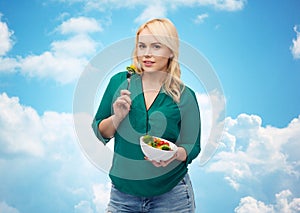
(179, 155)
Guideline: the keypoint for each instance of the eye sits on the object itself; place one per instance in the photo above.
(156, 46)
(141, 46)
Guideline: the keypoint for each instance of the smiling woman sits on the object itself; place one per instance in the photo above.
(155, 103)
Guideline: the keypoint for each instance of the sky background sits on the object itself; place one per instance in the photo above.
(254, 48)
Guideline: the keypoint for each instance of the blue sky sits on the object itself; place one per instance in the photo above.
(253, 46)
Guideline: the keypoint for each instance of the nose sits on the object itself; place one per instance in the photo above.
(148, 52)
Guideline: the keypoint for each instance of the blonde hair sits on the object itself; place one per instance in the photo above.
(165, 32)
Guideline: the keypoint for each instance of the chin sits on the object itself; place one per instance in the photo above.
(153, 69)
(149, 69)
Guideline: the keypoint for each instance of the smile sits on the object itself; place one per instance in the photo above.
(148, 63)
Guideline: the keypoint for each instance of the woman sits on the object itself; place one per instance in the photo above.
(153, 101)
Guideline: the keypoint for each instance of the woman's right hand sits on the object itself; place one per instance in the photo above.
(121, 107)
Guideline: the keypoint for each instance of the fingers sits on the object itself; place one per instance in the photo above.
(125, 96)
(162, 163)
(159, 163)
(122, 103)
(125, 92)
(124, 100)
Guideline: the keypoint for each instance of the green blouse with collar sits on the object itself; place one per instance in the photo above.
(176, 122)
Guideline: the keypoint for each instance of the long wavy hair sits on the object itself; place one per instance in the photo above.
(165, 32)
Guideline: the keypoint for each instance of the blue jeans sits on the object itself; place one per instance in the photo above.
(179, 200)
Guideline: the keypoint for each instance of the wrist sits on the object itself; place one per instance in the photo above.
(115, 121)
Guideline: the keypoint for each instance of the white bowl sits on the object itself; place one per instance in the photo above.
(157, 154)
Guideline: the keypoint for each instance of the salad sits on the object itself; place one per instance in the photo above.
(157, 143)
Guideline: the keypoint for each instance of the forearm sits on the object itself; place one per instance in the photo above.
(108, 126)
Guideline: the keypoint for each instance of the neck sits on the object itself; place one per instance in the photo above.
(153, 80)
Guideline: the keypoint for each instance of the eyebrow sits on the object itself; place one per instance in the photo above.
(151, 43)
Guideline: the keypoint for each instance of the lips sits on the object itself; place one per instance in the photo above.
(148, 63)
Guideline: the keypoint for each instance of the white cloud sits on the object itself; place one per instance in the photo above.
(295, 48)
(8, 64)
(49, 66)
(83, 207)
(251, 151)
(6, 41)
(66, 59)
(63, 63)
(154, 10)
(249, 204)
(76, 46)
(227, 5)
(20, 128)
(284, 203)
(212, 113)
(101, 195)
(23, 131)
(200, 18)
(232, 182)
(4, 208)
(39, 154)
(42, 149)
(80, 25)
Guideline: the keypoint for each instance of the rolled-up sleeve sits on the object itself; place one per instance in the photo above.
(104, 111)
(190, 131)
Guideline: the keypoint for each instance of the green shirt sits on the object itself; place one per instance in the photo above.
(176, 122)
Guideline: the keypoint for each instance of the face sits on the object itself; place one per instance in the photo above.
(152, 55)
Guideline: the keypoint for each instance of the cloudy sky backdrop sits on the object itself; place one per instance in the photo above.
(254, 47)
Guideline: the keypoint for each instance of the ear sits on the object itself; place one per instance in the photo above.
(171, 56)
